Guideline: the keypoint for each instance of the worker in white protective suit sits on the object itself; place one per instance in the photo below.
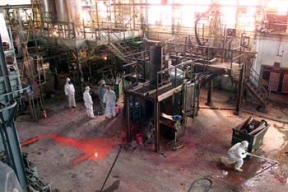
(70, 93)
(236, 154)
(101, 92)
(88, 103)
(110, 99)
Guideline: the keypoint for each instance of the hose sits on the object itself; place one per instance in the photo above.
(206, 188)
(111, 168)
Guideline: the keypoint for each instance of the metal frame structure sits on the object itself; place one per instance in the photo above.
(157, 95)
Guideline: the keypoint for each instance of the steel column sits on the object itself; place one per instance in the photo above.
(209, 94)
(129, 131)
(240, 91)
(156, 118)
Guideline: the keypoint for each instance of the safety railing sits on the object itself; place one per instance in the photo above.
(259, 83)
(175, 75)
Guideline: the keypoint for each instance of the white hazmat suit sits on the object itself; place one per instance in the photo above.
(110, 99)
(70, 93)
(88, 102)
(236, 154)
(101, 92)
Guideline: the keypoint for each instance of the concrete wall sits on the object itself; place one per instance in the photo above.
(270, 50)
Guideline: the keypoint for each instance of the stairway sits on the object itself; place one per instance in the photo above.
(114, 49)
(125, 53)
(253, 83)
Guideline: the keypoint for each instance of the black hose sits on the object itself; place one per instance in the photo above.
(111, 168)
(218, 108)
(197, 180)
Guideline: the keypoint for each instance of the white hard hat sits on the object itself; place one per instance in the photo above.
(245, 144)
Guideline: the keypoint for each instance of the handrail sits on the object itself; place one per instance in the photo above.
(255, 77)
(174, 68)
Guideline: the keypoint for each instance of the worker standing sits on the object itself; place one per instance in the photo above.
(69, 90)
(110, 99)
(101, 92)
(88, 103)
(236, 154)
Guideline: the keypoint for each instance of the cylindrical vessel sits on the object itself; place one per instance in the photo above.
(48, 6)
(62, 12)
(48, 9)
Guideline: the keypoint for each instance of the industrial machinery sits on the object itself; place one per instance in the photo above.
(11, 91)
(111, 40)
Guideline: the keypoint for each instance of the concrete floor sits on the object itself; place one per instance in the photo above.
(75, 154)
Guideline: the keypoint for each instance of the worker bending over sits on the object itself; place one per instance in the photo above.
(110, 99)
(236, 154)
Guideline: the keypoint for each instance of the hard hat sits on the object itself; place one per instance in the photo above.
(245, 144)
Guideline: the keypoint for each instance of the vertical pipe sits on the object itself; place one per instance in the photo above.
(184, 88)
(185, 46)
(129, 137)
(61, 8)
(209, 93)
(156, 117)
(134, 14)
(97, 20)
(240, 91)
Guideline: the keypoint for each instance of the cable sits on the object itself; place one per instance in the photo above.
(111, 168)
(206, 189)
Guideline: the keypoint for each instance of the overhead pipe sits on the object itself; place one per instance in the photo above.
(196, 23)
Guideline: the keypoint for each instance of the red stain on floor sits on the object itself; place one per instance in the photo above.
(95, 148)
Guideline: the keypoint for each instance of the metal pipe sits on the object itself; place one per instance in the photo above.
(209, 93)
(252, 155)
(61, 9)
(156, 122)
(240, 90)
(129, 137)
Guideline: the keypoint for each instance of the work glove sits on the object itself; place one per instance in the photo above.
(244, 154)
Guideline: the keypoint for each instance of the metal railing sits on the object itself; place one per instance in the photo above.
(180, 72)
(258, 81)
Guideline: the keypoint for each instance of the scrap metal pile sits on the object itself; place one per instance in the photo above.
(252, 127)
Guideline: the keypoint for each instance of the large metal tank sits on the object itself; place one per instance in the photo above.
(49, 10)
(62, 11)
(48, 5)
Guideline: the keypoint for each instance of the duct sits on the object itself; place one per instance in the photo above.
(62, 12)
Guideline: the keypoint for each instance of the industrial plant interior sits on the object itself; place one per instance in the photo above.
(191, 80)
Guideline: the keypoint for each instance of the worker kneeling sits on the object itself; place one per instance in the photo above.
(236, 154)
